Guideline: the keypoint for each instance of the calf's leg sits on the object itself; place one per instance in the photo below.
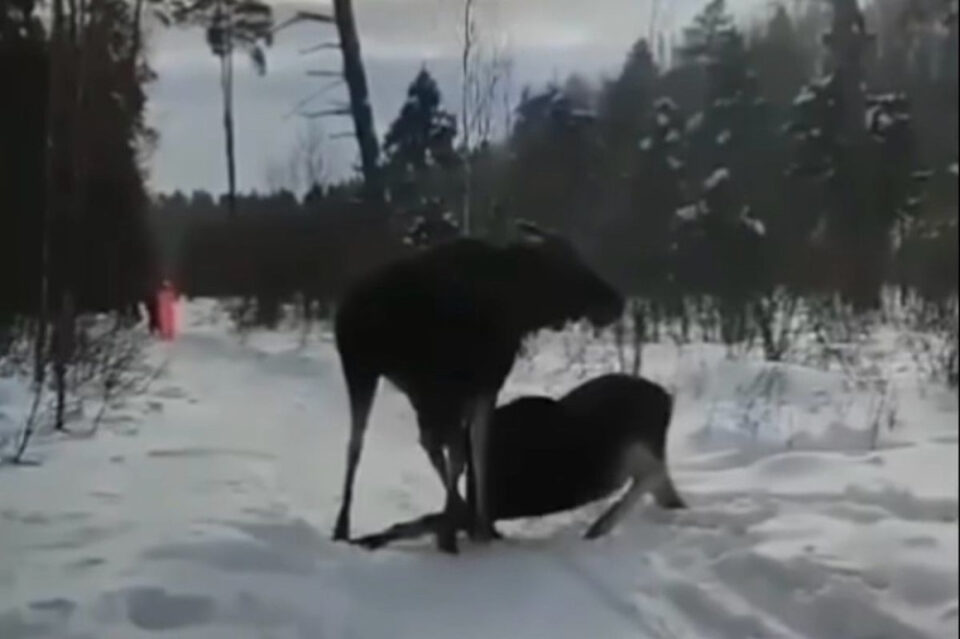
(648, 474)
(612, 516)
(666, 494)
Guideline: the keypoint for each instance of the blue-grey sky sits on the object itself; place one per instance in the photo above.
(544, 39)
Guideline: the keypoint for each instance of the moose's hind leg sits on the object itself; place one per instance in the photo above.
(361, 387)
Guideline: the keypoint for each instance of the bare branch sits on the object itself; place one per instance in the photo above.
(313, 16)
(313, 96)
(327, 113)
(324, 73)
(323, 46)
(302, 16)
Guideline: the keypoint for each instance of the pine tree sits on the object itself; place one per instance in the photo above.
(419, 143)
(556, 159)
(23, 66)
(231, 25)
(720, 239)
(658, 187)
(625, 110)
(860, 148)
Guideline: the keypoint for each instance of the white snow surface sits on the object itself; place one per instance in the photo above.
(204, 509)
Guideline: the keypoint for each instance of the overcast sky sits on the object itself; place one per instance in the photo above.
(545, 39)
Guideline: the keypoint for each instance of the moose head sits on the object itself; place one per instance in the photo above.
(551, 284)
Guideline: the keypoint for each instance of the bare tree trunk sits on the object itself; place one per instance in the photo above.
(225, 55)
(466, 109)
(137, 33)
(639, 312)
(356, 78)
(226, 70)
(60, 167)
(54, 140)
(73, 202)
(654, 22)
(63, 348)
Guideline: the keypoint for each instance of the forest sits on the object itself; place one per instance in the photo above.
(729, 175)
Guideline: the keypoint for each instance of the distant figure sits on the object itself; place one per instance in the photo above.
(166, 310)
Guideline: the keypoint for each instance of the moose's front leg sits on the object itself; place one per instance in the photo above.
(479, 418)
(648, 473)
(402, 531)
(612, 516)
(471, 505)
(453, 509)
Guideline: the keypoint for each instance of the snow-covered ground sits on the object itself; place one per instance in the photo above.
(821, 508)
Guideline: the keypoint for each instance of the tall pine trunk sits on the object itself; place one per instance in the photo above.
(356, 79)
(466, 109)
(52, 201)
(226, 78)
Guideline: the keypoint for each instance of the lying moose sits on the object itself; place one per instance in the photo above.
(547, 456)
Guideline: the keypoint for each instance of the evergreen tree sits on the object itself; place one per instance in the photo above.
(657, 189)
(625, 110)
(418, 145)
(23, 66)
(113, 239)
(720, 239)
(860, 148)
(230, 25)
(781, 60)
(730, 136)
(556, 159)
(711, 32)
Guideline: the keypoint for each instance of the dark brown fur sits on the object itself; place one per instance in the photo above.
(444, 327)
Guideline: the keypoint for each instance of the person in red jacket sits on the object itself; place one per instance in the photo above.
(166, 307)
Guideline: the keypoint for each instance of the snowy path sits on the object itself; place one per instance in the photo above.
(204, 510)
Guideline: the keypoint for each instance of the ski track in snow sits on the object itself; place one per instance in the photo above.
(205, 508)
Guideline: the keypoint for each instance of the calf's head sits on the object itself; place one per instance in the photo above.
(552, 285)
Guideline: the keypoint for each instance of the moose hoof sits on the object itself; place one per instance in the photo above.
(676, 504)
(369, 543)
(447, 542)
(599, 528)
(485, 534)
(341, 533)
(448, 547)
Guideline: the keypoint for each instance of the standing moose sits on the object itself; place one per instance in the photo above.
(445, 327)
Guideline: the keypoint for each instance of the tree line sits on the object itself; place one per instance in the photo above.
(813, 152)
